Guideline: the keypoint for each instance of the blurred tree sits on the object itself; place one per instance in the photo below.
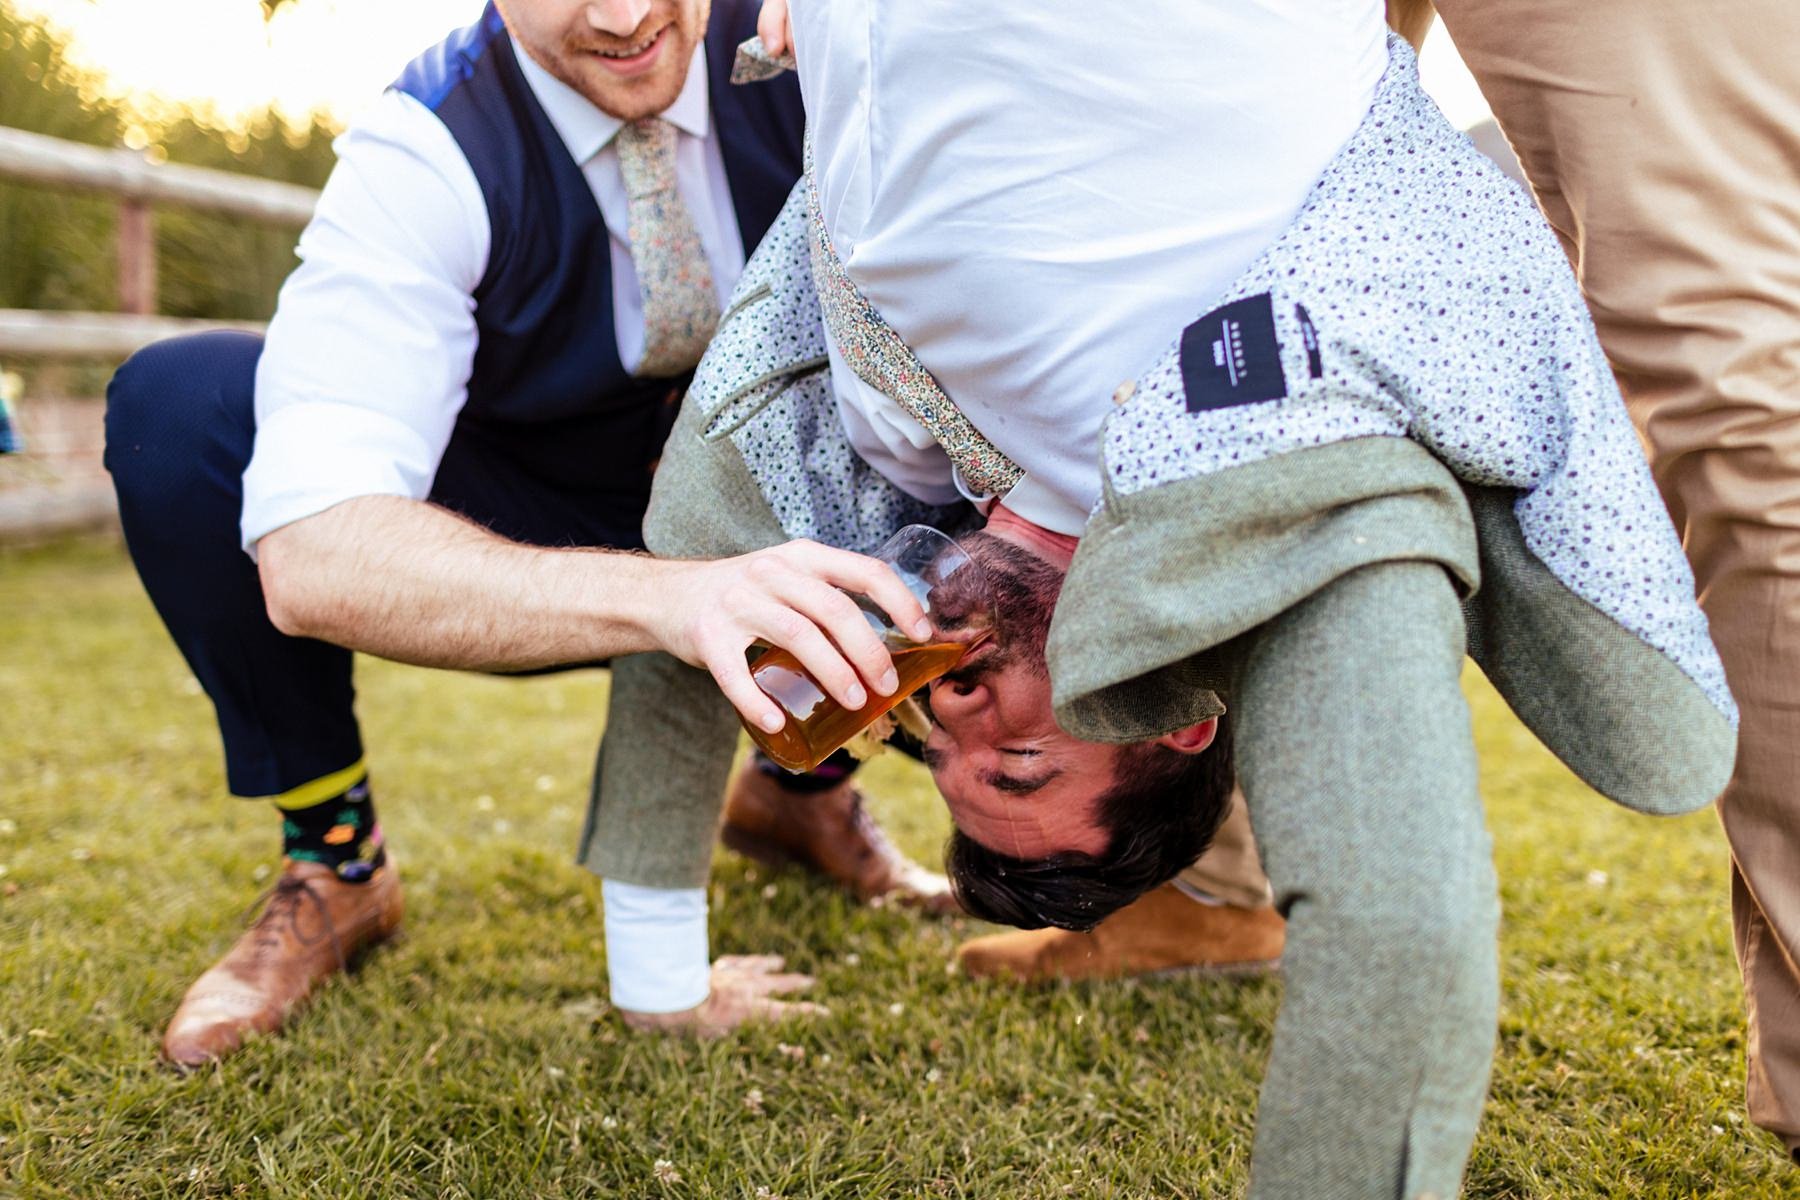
(270, 7)
(213, 266)
(56, 247)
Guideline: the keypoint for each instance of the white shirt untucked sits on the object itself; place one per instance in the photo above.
(1038, 204)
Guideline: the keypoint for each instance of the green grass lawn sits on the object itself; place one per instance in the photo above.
(476, 1057)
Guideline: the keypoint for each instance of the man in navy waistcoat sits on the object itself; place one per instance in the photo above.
(515, 266)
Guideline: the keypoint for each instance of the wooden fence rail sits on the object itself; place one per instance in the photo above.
(138, 184)
(63, 490)
(30, 333)
(34, 158)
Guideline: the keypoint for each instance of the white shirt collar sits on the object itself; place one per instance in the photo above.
(586, 131)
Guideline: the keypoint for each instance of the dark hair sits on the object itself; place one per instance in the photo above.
(1161, 813)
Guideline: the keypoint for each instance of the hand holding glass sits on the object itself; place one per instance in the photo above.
(958, 604)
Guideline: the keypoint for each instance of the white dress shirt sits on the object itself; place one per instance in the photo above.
(367, 360)
(1039, 204)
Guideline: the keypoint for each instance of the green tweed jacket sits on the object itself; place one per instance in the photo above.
(1408, 374)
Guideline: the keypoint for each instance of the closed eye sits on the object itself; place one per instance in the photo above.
(1013, 785)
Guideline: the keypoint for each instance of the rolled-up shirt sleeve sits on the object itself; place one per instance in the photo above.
(367, 360)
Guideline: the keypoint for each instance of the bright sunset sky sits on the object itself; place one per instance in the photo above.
(335, 54)
(339, 54)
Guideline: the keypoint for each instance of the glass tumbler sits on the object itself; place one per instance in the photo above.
(959, 605)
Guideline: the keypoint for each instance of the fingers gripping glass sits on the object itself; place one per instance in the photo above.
(959, 606)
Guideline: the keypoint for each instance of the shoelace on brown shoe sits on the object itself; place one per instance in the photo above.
(284, 905)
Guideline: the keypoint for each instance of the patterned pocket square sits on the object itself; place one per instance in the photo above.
(754, 64)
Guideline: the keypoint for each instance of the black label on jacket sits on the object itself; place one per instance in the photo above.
(1309, 334)
(1230, 356)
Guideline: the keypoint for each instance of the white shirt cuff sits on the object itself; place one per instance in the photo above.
(309, 457)
(656, 953)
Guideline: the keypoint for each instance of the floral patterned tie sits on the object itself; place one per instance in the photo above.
(681, 310)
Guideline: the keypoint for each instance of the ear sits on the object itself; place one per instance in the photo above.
(1193, 739)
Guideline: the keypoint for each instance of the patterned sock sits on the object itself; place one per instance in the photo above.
(822, 778)
(341, 833)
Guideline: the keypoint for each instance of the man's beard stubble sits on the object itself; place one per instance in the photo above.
(678, 21)
(1024, 591)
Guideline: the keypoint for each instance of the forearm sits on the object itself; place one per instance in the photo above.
(410, 581)
(413, 582)
(1368, 815)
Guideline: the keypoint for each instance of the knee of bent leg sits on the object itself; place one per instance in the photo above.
(1455, 928)
(1403, 923)
(167, 397)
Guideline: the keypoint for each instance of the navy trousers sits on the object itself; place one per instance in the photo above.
(180, 423)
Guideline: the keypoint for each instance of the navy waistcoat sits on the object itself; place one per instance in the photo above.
(548, 390)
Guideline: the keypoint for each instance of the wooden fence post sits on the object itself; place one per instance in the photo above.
(66, 490)
(137, 257)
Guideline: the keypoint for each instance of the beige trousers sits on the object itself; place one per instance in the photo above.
(1231, 870)
(1663, 141)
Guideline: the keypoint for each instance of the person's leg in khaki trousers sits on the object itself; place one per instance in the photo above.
(1663, 141)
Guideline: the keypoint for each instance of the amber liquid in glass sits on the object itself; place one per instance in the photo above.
(817, 725)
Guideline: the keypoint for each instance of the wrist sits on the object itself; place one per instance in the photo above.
(664, 1022)
(602, 599)
(635, 598)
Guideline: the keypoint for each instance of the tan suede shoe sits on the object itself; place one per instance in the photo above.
(313, 926)
(831, 833)
(1163, 932)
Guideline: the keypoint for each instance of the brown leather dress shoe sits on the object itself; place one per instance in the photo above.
(313, 926)
(829, 832)
(1163, 932)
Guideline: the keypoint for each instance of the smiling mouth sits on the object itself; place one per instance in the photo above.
(639, 49)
